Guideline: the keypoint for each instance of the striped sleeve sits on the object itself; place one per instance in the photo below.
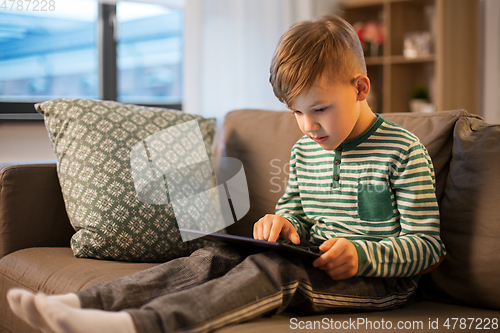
(290, 205)
(418, 244)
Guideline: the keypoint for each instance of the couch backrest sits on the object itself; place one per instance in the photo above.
(32, 212)
(466, 156)
(262, 140)
(470, 220)
(435, 130)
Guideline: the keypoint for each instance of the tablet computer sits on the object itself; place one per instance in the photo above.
(306, 250)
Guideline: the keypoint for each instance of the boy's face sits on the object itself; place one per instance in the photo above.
(329, 112)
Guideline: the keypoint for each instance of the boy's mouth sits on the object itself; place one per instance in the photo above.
(320, 139)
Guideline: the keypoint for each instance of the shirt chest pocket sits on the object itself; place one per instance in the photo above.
(375, 201)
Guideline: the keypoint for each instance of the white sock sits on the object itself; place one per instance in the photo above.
(22, 303)
(62, 318)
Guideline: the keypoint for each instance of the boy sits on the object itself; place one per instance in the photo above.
(360, 187)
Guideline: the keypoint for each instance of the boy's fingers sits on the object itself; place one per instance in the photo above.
(258, 228)
(334, 263)
(259, 232)
(342, 272)
(328, 244)
(326, 263)
(265, 230)
(271, 227)
(340, 261)
(290, 233)
(331, 252)
(267, 224)
(276, 226)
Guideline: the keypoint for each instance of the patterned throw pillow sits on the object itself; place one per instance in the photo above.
(92, 141)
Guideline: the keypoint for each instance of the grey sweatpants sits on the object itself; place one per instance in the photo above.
(222, 285)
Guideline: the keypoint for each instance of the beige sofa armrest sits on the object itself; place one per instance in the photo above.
(32, 212)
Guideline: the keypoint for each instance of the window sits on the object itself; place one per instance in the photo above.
(149, 53)
(46, 54)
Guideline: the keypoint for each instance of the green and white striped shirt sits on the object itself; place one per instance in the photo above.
(376, 191)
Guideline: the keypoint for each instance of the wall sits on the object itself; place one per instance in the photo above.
(491, 61)
(24, 141)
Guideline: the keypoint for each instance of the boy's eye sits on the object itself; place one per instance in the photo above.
(320, 110)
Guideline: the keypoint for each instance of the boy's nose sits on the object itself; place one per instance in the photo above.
(310, 124)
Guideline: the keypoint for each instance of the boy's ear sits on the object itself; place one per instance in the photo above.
(362, 84)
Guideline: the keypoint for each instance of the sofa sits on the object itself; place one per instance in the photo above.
(462, 294)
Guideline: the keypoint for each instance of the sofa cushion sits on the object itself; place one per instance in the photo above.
(93, 142)
(470, 219)
(53, 271)
(435, 130)
(262, 141)
(56, 271)
(431, 317)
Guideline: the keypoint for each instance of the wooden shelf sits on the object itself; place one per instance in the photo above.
(451, 72)
(404, 60)
(375, 60)
(362, 3)
(399, 59)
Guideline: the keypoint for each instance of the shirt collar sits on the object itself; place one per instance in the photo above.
(351, 144)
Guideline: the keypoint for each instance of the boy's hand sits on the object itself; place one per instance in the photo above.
(340, 260)
(271, 227)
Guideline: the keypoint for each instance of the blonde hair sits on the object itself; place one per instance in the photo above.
(310, 48)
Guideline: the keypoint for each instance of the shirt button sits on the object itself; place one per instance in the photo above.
(336, 177)
(337, 162)
(339, 148)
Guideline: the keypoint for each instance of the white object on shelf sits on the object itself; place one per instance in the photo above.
(421, 105)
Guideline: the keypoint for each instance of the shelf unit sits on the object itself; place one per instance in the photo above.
(452, 70)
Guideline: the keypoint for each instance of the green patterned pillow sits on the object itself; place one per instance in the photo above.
(92, 141)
